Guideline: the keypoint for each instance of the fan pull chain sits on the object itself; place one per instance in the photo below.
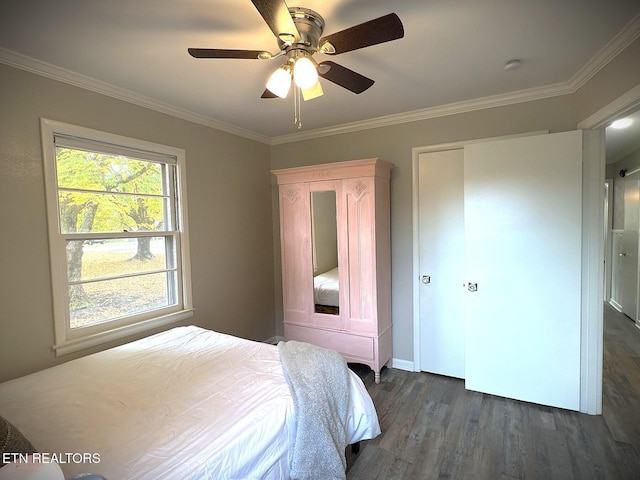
(297, 100)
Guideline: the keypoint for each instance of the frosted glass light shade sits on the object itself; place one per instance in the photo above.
(280, 82)
(622, 123)
(304, 73)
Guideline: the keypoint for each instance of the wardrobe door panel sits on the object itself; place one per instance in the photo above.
(295, 238)
(360, 201)
(382, 233)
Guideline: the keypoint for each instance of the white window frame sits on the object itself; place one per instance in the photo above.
(66, 340)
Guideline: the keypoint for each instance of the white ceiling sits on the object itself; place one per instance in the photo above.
(452, 52)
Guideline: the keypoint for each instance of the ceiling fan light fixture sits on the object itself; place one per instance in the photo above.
(298, 31)
(313, 92)
(304, 73)
(622, 123)
(280, 81)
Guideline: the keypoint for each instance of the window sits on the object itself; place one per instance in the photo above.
(117, 233)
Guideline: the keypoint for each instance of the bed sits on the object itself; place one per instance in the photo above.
(184, 404)
(326, 291)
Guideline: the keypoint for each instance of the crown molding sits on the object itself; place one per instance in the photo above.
(23, 62)
(428, 113)
(622, 40)
(617, 44)
(626, 36)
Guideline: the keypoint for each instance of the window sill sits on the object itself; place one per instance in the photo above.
(78, 344)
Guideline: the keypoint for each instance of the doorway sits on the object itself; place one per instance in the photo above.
(622, 154)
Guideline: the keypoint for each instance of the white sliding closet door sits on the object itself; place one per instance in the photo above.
(523, 214)
(441, 207)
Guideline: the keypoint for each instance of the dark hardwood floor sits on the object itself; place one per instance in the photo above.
(432, 428)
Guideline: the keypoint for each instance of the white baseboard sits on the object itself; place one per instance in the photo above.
(402, 364)
(274, 340)
(615, 305)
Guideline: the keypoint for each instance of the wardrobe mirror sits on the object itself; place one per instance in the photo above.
(324, 235)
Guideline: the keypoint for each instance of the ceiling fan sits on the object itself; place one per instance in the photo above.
(299, 34)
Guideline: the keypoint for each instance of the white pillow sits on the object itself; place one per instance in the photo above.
(31, 471)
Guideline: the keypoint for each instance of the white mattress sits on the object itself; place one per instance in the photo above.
(326, 288)
(184, 404)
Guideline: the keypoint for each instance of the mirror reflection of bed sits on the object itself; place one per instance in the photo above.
(326, 292)
(324, 234)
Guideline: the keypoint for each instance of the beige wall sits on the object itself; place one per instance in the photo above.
(228, 184)
(394, 144)
(233, 209)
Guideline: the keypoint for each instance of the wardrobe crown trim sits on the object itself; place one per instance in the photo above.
(335, 171)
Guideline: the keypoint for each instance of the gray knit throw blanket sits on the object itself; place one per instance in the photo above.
(319, 382)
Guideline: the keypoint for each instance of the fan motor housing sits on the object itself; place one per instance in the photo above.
(310, 25)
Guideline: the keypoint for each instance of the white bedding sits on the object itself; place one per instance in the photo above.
(325, 288)
(184, 404)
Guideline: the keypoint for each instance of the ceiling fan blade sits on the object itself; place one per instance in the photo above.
(224, 53)
(344, 77)
(268, 94)
(379, 30)
(276, 14)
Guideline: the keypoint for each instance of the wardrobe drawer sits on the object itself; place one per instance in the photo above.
(345, 343)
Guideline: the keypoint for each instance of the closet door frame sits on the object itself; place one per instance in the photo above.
(594, 245)
(590, 314)
(592, 250)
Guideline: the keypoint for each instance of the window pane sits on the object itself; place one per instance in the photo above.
(99, 302)
(99, 258)
(109, 213)
(115, 204)
(85, 170)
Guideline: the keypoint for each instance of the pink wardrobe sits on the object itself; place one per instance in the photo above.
(336, 264)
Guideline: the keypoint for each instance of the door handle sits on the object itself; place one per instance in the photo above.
(472, 287)
(426, 279)
(624, 254)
